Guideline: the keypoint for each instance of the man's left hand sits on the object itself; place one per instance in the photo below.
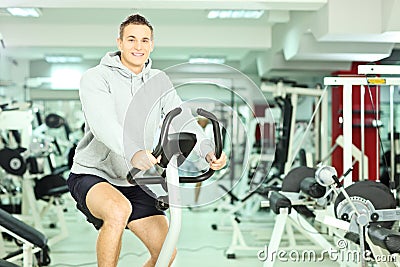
(216, 164)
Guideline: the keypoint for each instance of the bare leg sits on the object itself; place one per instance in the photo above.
(152, 231)
(108, 204)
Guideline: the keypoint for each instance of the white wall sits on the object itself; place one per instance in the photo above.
(12, 73)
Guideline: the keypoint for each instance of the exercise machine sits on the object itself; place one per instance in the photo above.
(292, 95)
(24, 162)
(366, 212)
(32, 241)
(174, 149)
(294, 206)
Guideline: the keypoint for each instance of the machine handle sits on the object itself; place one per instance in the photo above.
(164, 139)
(218, 148)
(216, 130)
(161, 141)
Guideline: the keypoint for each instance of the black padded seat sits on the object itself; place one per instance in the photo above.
(385, 238)
(4, 263)
(292, 183)
(277, 201)
(293, 179)
(50, 185)
(312, 188)
(22, 229)
(56, 191)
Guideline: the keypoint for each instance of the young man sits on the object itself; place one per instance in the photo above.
(104, 155)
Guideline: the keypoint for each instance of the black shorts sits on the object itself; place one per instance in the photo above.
(142, 199)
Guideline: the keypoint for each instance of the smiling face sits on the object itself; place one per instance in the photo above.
(135, 45)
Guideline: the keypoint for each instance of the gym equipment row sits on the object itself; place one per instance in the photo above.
(363, 212)
(267, 173)
(315, 205)
(33, 184)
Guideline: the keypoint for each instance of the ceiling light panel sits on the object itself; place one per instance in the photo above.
(63, 59)
(207, 60)
(24, 12)
(235, 14)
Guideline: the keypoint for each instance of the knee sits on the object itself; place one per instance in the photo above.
(108, 204)
(117, 214)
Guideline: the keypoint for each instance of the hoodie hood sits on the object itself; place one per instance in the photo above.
(112, 60)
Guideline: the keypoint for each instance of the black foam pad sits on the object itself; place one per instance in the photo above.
(12, 162)
(278, 201)
(54, 121)
(377, 193)
(377, 184)
(22, 229)
(385, 238)
(311, 187)
(50, 185)
(292, 180)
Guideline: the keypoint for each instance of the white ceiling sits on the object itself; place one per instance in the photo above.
(295, 39)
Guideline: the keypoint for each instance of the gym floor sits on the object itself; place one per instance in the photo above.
(198, 245)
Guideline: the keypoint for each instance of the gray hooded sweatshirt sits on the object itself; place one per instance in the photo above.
(123, 112)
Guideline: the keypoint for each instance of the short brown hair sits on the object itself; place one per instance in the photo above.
(137, 20)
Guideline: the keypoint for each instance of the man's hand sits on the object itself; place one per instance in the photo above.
(216, 164)
(144, 160)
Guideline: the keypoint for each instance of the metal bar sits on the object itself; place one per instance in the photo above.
(378, 69)
(276, 238)
(362, 129)
(317, 137)
(291, 90)
(377, 140)
(347, 132)
(325, 144)
(291, 151)
(361, 81)
(391, 128)
(176, 214)
(27, 255)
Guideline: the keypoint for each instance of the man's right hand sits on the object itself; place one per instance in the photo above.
(144, 160)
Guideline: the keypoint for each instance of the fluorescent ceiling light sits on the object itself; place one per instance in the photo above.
(24, 11)
(235, 14)
(207, 60)
(63, 59)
